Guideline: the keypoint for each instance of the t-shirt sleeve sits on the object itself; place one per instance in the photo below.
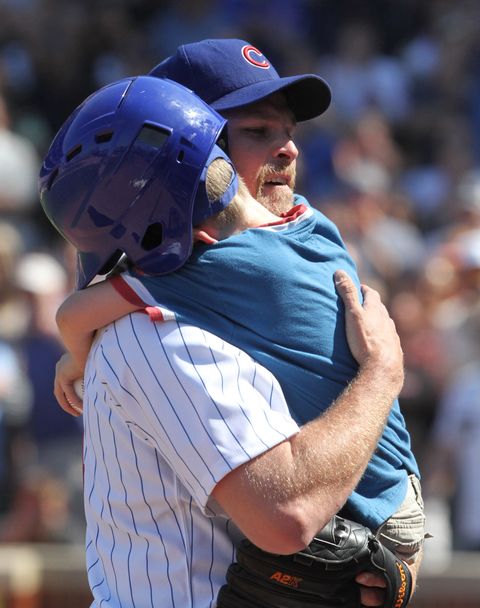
(132, 290)
(122, 286)
(208, 406)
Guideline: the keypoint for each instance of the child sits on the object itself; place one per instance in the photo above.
(236, 287)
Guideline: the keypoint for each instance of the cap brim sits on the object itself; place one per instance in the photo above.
(308, 95)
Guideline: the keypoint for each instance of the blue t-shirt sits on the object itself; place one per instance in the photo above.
(272, 294)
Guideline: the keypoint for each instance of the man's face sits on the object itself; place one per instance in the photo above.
(263, 152)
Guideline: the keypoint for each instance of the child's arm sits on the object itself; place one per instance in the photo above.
(82, 313)
(87, 310)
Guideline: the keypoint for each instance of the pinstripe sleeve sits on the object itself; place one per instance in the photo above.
(206, 406)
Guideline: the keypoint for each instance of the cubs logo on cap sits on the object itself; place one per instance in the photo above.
(255, 57)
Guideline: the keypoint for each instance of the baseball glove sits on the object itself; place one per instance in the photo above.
(322, 575)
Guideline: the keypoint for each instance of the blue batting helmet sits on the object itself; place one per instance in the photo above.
(121, 175)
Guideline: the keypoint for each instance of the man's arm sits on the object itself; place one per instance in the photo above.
(282, 498)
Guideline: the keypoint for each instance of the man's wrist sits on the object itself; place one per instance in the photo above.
(385, 379)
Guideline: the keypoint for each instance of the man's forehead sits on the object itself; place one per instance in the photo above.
(272, 106)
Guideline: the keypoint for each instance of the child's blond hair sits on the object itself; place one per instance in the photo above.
(219, 177)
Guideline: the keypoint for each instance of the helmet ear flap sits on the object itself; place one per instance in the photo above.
(152, 238)
(111, 262)
(51, 178)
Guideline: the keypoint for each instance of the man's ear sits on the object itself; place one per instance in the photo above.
(204, 237)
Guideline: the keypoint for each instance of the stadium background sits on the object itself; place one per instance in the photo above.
(395, 162)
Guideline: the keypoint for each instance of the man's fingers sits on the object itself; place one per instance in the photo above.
(372, 596)
(370, 331)
(369, 293)
(346, 288)
(370, 579)
(372, 589)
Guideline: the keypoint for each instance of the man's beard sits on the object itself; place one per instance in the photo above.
(280, 199)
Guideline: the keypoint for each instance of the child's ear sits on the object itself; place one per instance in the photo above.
(204, 237)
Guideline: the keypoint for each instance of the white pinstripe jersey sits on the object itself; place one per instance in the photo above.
(168, 411)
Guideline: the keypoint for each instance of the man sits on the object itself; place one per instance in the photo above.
(237, 79)
(236, 468)
(262, 109)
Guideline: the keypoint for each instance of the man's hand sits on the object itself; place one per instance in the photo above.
(371, 333)
(322, 575)
(67, 373)
(372, 588)
(373, 340)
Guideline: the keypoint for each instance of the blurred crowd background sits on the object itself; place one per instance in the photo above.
(395, 162)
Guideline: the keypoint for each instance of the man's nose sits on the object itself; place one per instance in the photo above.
(287, 150)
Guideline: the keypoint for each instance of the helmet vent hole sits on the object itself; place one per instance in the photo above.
(103, 138)
(180, 156)
(74, 152)
(153, 135)
(153, 237)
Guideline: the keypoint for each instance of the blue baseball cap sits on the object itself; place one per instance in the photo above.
(231, 73)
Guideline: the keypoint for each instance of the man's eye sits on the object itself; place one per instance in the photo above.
(257, 131)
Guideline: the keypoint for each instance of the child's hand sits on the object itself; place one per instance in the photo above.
(66, 373)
